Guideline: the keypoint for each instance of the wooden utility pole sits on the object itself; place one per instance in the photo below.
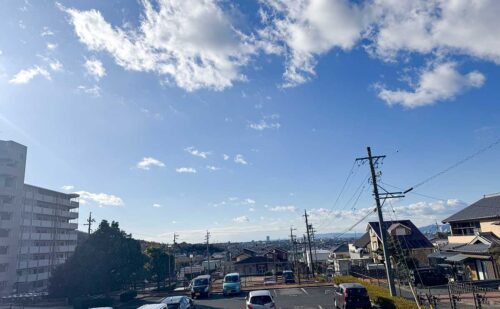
(309, 241)
(383, 229)
(90, 220)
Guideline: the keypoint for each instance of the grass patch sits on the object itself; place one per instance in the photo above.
(379, 295)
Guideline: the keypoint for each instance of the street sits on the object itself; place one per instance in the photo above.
(289, 298)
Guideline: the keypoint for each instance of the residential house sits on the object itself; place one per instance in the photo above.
(250, 262)
(404, 237)
(475, 232)
(339, 259)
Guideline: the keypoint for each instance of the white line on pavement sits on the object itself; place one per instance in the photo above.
(319, 306)
(275, 293)
(303, 290)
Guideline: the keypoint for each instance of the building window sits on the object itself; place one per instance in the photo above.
(4, 215)
(3, 250)
(4, 233)
(3, 267)
(465, 228)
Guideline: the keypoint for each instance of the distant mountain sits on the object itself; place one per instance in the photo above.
(431, 229)
(337, 235)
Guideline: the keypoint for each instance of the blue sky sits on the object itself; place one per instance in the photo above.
(183, 116)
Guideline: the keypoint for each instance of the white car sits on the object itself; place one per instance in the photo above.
(153, 306)
(261, 299)
(178, 302)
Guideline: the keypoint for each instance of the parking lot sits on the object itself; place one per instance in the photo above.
(289, 298)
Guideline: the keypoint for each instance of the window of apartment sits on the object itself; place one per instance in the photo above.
(3, 285)
(465, 228)
(4, 233)
(5, 215)
(3, 267)
(4, 250)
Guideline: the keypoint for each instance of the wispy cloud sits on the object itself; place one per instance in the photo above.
(287, 208)
(241, 219)
(185, 170)
(212, 168)
(94, 91)
(67, 187)
(267, 122)
(197, 153)
(147, 162)
(240, 159)
(225, 157)
(25, 76)
(95, 68)
(156, 205)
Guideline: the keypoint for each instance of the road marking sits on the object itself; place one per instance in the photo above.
(319, 306)
(275, 293)
(303, 290)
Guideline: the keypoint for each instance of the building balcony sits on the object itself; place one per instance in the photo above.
(36, 236)
(10, 170)
(65, 248)
(68, 225)
(38, 223)
(8, 191)
(33, 277)
(74, 204)
(34, 263)
(36, 249)
(66, 237)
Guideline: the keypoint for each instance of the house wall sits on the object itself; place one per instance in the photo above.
(488, 226)
(421, 255)
(460, 239)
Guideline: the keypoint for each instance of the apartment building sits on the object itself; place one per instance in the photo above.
(37, 226)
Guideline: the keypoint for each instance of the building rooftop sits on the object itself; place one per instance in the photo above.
(363, 241)
(414, 240)
(486, 208)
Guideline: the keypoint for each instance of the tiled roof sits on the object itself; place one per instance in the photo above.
(340, 248)
(254, 260)
(415, 240)
(363, 241)
(487, 207)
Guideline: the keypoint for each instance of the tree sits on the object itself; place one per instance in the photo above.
(106, 261)
(159, 264)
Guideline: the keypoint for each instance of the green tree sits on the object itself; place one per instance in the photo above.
(106, 261)
(159, 264)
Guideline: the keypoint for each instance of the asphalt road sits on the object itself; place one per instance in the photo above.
(291, 298)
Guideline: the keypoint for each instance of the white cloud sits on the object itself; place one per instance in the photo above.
(156, 205)
(25, 76)
(102, 199)
(55, 65)
(190, 42)
(188, 170)
(240, 159)
(147, 162)
(95, 68)
(241, 219)
(437, 83)
(225, 157)
(267, 122)
(197, 153)
(287, 208)
(51, 46)
(46, 32)
(212, 168)
(94, 91)
(248, 201)
(251, 209)
(67, 187)
(308, 29)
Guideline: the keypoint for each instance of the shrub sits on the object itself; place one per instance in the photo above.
(128, 295)
(379, 295)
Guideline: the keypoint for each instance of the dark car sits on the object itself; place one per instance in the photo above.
(201, 286)
(428, 276)
(351, 296)
(288, 276)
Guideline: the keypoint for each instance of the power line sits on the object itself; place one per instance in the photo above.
(449, 168)
(416, 193)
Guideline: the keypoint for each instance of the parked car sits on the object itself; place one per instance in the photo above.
(232, 284)
(201, 286)
(428, 276)
(351, 296)
(179, 302)
(260, 299)
(288, 276)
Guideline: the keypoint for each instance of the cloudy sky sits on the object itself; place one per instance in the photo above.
(235, 116)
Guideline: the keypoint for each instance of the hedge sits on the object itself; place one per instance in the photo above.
(379, 295)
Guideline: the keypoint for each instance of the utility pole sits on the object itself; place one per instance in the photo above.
(309, 241)
(90, 220)
(176, 236)
(313, 232)
(383, 230)
(207, 238)
(293, 240)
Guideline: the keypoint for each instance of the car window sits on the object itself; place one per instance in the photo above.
(200, 282)
(261, 300)
(232, 279)
(173, 306)
(356, 292)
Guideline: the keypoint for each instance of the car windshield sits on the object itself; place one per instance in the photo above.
(230, 279)
(288, 274)
(356, 292)
(261, 300)
(198, 282)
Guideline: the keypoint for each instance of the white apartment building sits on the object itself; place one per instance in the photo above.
(37, 226)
